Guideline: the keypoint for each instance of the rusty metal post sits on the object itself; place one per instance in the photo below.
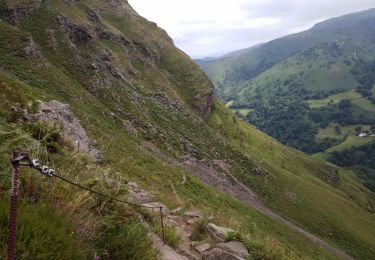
(162, 224)
(13, 207)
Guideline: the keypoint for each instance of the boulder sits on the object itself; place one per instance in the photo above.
(155, 207)
(203, 247)
(173, 221)
(166, 252)
(190, 221)
(217, 233)
(133, 186)
(175, 211)
(105, 54)
(234, 247)
(193, 214)
(51, 39)
(55, 111)
(93, 16)
(218, 254)
(137, 195)
(222, 165)
(110, 183)
(31, 50)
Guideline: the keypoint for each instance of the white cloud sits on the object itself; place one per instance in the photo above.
(205, 27)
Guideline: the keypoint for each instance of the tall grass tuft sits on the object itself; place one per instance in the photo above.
(41, 234)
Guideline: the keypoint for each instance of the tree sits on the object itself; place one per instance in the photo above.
(338, 130)
(358, 130)
(345, 104)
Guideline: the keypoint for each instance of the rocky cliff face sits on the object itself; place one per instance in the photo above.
(135, 57)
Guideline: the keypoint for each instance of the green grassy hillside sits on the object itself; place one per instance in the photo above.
(130, 87)
(295, 87)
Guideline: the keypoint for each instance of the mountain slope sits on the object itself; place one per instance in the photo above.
(312, 90)
(150, 112)
(351, 32)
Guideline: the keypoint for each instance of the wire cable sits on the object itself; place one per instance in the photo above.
(23, 159)
(102, 194)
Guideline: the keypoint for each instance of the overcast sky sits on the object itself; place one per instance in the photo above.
(204, 28)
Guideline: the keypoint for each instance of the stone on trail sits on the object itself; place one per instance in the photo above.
(166, 252)
(234, 247)
(193, 214)
(155, 207)
(202, 248)
(137, 195)
(217, 233)
(218, 254)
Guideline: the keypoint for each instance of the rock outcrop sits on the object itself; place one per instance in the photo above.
(15, 11)
(167, 102)
(94, 16)
(72, 130)
(76, 33)
(31, 50)
(205, 103)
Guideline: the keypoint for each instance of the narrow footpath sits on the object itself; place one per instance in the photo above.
(209, 176)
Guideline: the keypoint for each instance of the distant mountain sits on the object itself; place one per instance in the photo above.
(312, 90)
(203, 61)
(353, 35)
(242, 51)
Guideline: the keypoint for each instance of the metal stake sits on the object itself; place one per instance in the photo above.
(13, 207)
(162, 224)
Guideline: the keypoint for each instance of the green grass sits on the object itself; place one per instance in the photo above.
(41, 233)
(126, 241)
(335, 99)
(308, 71)
(244, 112)
(365, 104)
(330, 132)
(229, 103)
(355, 97)
(349, 142)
